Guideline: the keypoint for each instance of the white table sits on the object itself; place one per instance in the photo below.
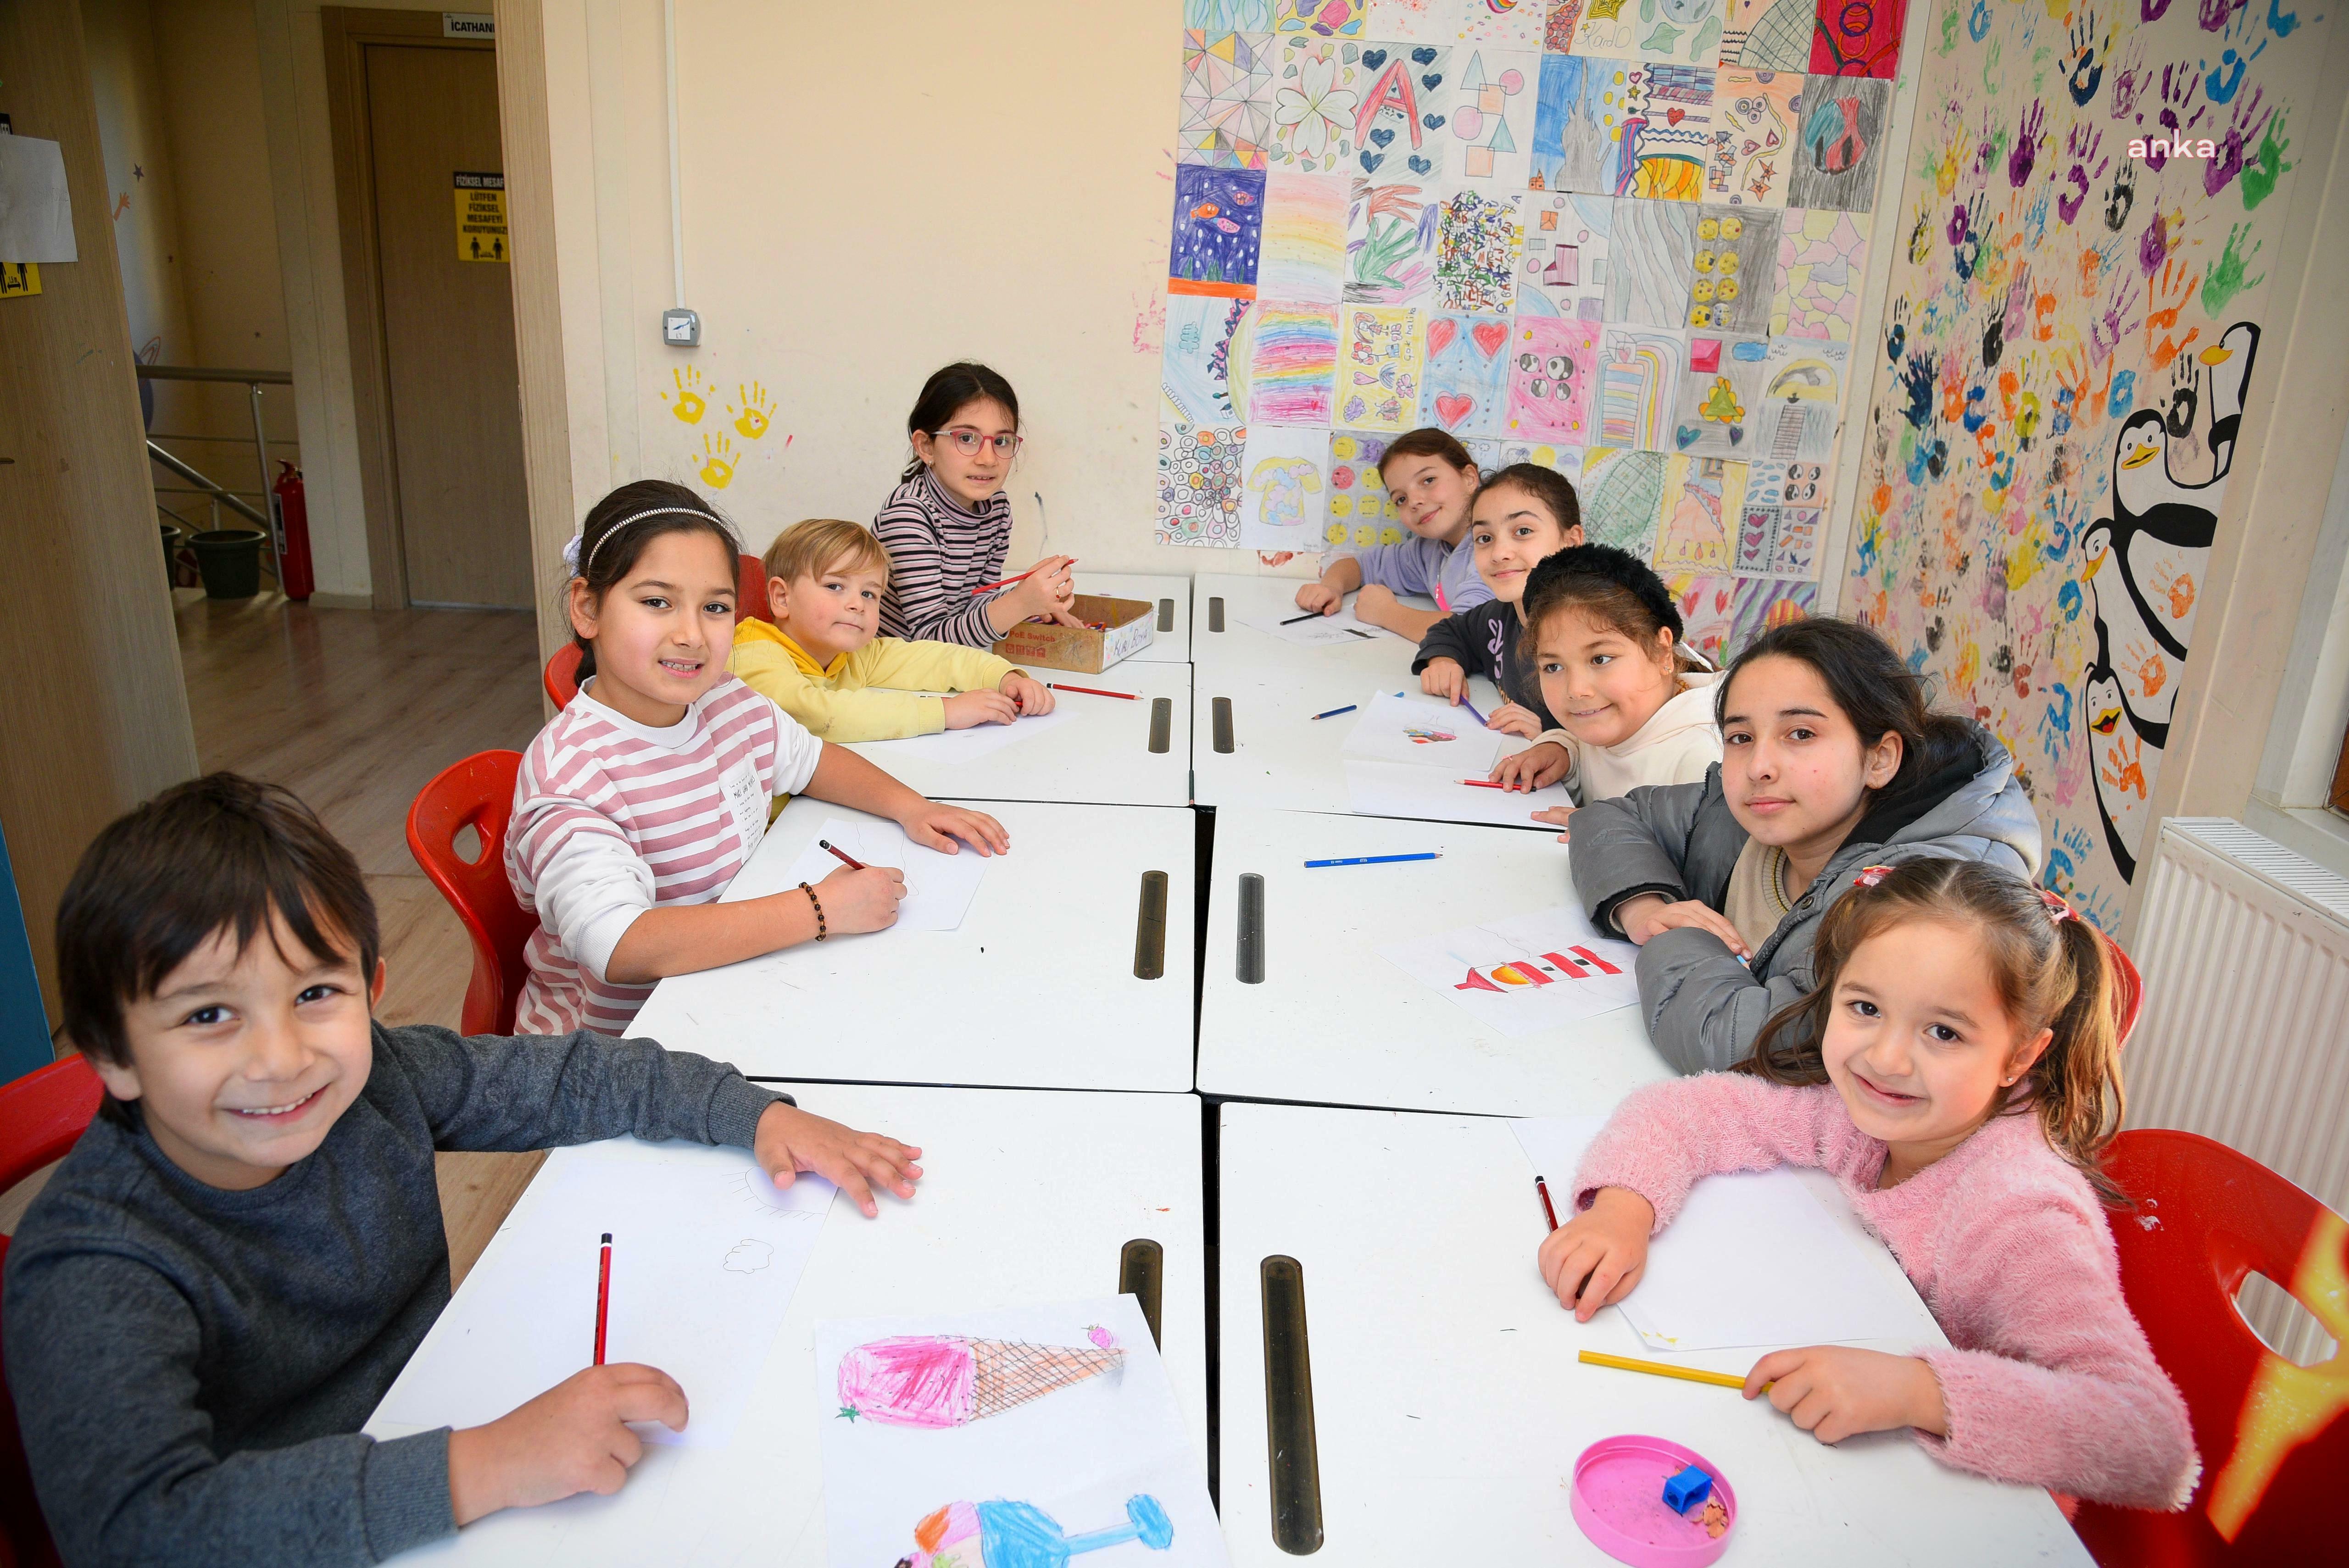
(1170, 627)
(1104, 756)
(1026, 1197)
(1448, 1406)
(1035, 989)
(1239, 647)
(1333, 1023)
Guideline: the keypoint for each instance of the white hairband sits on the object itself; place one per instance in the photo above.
(571, 546)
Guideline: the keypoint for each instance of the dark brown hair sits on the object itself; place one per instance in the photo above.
(621, 525)
(220, 853)
(2051, 971)
(1613, 587)
(1427, 441)
(1874, 689)
(1546, 486)
(950, 390)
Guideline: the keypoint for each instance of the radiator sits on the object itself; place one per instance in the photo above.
(2244, 1038)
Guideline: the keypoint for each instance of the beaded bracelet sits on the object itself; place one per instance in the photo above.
(820, 931)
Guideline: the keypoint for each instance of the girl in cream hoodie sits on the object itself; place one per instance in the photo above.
(1633, 705)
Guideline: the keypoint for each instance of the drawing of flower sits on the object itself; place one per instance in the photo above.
(1317, 111)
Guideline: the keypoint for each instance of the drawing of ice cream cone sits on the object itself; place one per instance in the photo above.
(938, 1380)
(1003, 1534)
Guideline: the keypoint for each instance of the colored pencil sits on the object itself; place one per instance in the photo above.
(840, 855)
(1093, 691)
(1693, 1374)
(1308, 615)
(1472, 710)
(1484, 783)
(1549, 1213)
(1336, 711)
(1358, 632)
(1008, 581)
(1374, 859)
(603, 1296)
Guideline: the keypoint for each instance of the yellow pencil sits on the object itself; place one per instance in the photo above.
(1661, 1369)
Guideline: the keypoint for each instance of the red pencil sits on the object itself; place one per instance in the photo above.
(1093, 691)
(1483, 784)
(840, 855)
(604, 1296)
(1549, 1213)
(1008, 581)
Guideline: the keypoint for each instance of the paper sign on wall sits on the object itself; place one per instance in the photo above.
(36, 207)
(19, 278)
(480, 217)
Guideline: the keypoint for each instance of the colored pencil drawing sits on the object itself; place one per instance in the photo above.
(1651, 255)
(1638, 386)
(1701, 495)
(1226, 113)
(1195, 364)
(934, 1381)
(1686, 31)
(1226, 15)
(1316, 90)
(1708, 607)
(1623, 497)
(1379, 368)
(1281, 499)
(1769, 483)
(1721, 394)
(1218, 228)
(1764, 604)
(1550, 366)
(1303, 254)
(1667, 135)
(1822, 259)
(1768, 35)
(1567, 240)
(1392, 235)
(1361, 512)
(1860, 38)
(1525, 973)
(1006, 1535)
(1754, 114)
(1578, 110)
(1778, 540)
(1491, 118)
(1466, 378)
(1199, 485)
(1801, 399)
(1734, 263)
(1479, 242)
(1319, 18)
(1291, 364)
(1398, 118)
(1839, 146)
(747, 1256)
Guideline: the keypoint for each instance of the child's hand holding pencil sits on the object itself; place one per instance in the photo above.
(1595, 1258)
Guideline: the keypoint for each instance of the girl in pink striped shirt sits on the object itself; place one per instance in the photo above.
(1957, 1069)
(638, 803)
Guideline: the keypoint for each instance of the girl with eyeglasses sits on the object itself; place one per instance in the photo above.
(947, 525)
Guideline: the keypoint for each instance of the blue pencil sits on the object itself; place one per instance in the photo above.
(1472, 710)
(1336, 711)
(1374, 859)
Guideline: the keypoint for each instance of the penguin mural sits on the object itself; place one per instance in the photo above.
(2145, 567)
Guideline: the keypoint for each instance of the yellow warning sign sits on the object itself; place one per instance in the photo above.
(19, 278)
(481, 217)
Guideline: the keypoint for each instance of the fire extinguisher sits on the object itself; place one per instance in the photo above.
(289, 521)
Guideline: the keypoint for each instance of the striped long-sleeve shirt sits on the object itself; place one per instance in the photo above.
(939, 552)
(611, 817)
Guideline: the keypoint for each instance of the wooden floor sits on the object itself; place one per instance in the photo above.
(355, 710)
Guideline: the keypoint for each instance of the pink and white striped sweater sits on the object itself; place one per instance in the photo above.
(2048, 1380)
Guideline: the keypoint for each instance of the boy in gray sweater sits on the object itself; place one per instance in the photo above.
(226, 1274)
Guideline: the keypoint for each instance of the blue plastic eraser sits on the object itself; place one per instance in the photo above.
(1686, 1490)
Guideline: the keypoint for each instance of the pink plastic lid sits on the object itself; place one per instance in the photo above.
(1619, 1501)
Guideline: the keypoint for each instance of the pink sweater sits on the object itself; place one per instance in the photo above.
(2049, 1381)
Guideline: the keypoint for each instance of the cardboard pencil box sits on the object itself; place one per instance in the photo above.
(1114, 629)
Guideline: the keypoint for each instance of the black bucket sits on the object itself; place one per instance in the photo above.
(230, 561)
(174, 536)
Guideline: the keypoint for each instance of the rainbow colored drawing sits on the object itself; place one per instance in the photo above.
(1426, 736)
(941, 1380)
(1003, 1534)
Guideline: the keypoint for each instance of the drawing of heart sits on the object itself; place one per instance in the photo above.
(1422, 56)
(1489, 336)
(1688, 435)
(1370, 160)
(1452, 407)
(1440, 333)
(1418, 165)
(1432, 121)
(1373, 58)
(1432, 80)
(1384, 135)
(1674, 116)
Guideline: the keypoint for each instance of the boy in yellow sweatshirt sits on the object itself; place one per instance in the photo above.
(823, 663)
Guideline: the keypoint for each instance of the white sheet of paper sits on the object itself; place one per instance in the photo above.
(1423, 735)
(1322, 631)
(1525, 973)
(706, 1252)
(1104, 1452)
(36, 207)
(953, 746)
(1750, 1260)
(1400, 789)
(939, 887)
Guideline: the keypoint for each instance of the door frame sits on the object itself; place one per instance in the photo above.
(349, 30)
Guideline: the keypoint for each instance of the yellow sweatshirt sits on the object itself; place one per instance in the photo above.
(852, 698)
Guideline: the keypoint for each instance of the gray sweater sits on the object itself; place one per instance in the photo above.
(1702, 1006)
(191, 1365)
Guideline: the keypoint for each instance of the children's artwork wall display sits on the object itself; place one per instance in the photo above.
(706, 1254)
(1283, 498)
(1708, 607)
(1638, 386)
(1466, 378)
(1702, 496)
(1622, 497)
(1491, 122)
(1771, 483)
(1319, 18)
(1801, 398)
(1551, 362)
(1768, 35)
(1292, 363)
(1361, 512)
(1422, 734)
(1735, 262)
(1764, 604)
(1377, 367)
(1841, 144)
(1392, 235)
(1608, 29)
(1227, 99)
(1721, 391)
(1397, 122)
(938, 886)
(1223, 15)
(1754, 115)
(1653, 250)
(1862, 38)
(1526, 973)
(1302, 256)
(1568, 240)
(1199, 485)
(1218, 228)
(1822, 258)
(1667, 137)
(1195, 362)
(1316, 92)
(1479, 241)
(1777, 540)
(1577, 124)
(1018, 1437)
(1687, 31)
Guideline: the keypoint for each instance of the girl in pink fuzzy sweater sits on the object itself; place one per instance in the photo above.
(1957, 1069)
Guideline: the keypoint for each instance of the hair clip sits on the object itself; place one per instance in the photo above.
(2057, 910)
(570, 551)
(1870, 875)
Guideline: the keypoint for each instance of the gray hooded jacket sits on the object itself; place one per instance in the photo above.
(1702, 1006)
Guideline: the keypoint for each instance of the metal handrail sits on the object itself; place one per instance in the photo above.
(218, 492)
(205, 373)
(253, 381)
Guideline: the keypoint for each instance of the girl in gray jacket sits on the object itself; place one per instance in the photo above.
(1830, 761)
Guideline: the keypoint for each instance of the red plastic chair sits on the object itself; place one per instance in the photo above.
(2273, 1443)
(562, 673)
(477, 793)
(2128, 988)
(41, 1115)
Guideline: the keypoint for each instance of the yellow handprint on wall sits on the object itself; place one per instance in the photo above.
(689, 405)
(718, 464)
(755, 413)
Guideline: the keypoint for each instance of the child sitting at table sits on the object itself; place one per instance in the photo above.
(822, 663)
(1432, 479)
(226, 1274)
(638, 803)
(1634, 703)
(1958, 1072)
(1520, 517)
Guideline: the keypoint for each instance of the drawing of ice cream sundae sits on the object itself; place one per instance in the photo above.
(939, 1380)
